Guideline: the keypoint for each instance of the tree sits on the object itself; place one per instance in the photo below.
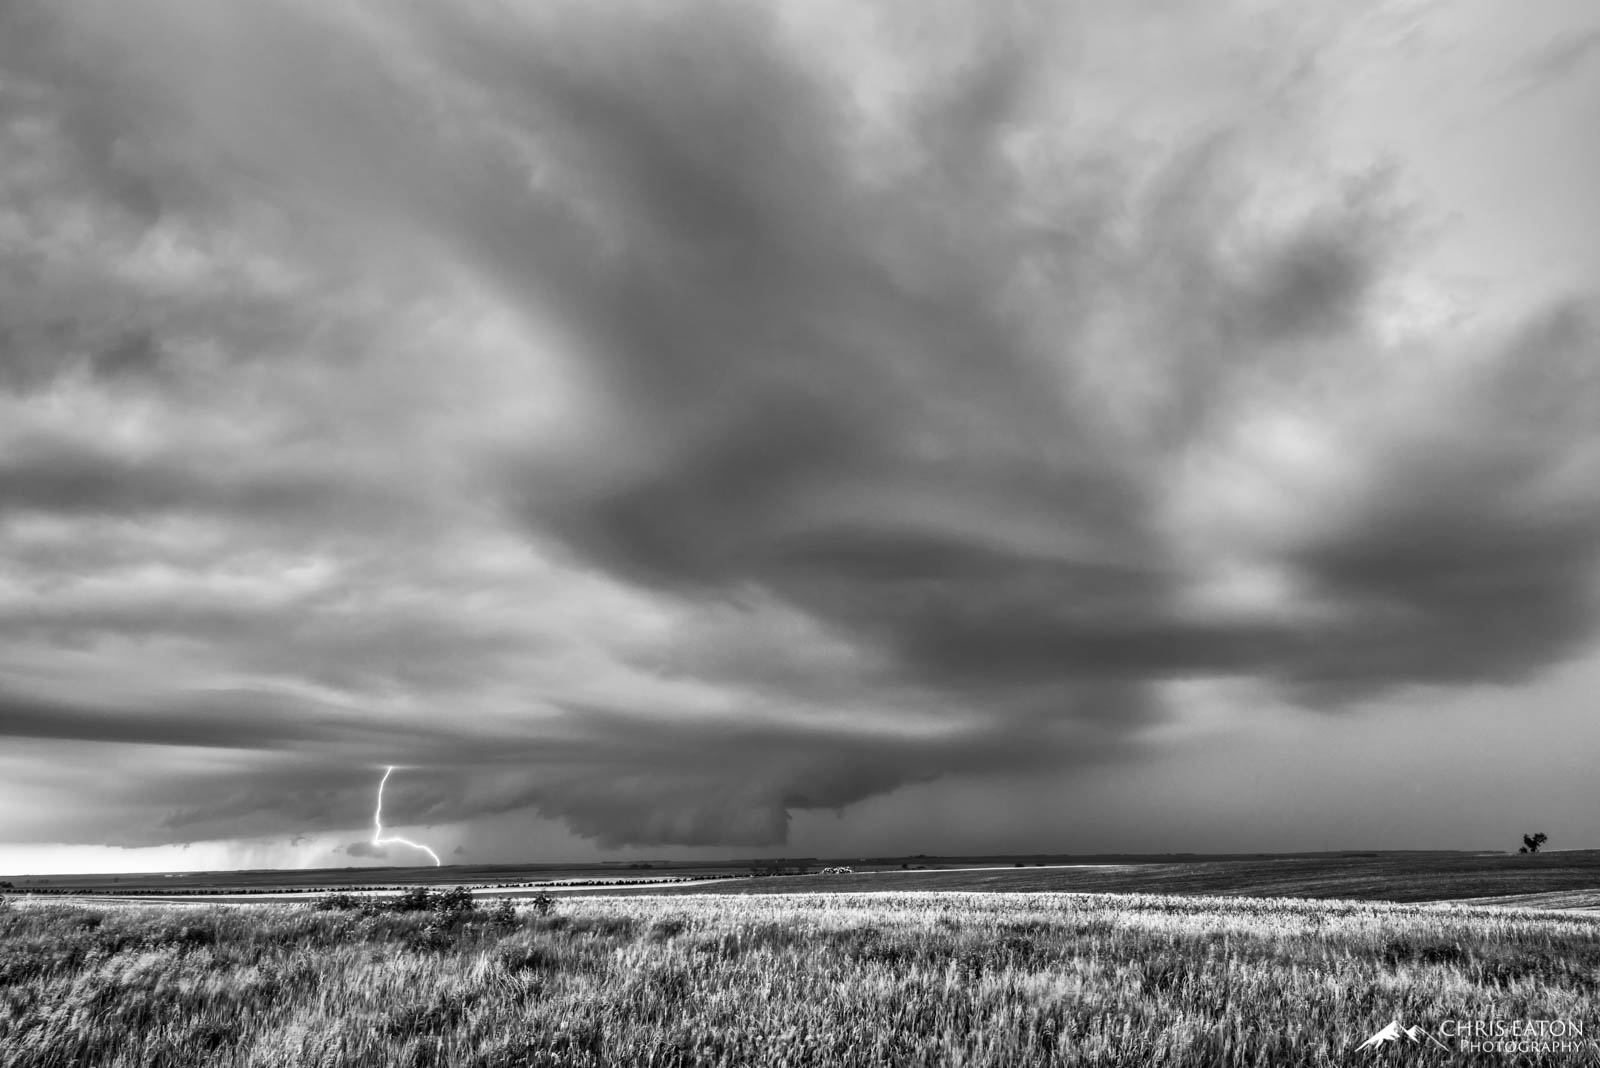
(1532, 842)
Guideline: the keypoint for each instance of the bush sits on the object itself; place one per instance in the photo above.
(339, 902)
(449, 907)
(544, 902)
(504, 914)
(416, 899)
(456, 901)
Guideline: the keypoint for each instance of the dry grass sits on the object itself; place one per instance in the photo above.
(972, 979)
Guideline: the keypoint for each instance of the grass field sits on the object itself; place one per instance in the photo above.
(818, 979)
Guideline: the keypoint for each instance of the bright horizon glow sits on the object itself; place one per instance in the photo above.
(377, 824)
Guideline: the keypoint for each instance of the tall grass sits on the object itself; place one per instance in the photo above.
(860, 979)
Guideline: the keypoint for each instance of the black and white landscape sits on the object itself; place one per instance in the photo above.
(466, 442)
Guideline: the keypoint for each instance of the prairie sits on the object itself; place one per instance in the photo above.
(814, 979)
(1566, 878)
(1562, 879)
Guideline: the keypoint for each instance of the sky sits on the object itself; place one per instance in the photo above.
(729, 429)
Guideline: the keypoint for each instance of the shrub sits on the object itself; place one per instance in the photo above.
(416, 899)
(544, 902)
(504, 914)
(456, 901)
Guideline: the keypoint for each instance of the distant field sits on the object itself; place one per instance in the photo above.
(271, 880)
(819, 979)
(276, 879)
(1560, 879)
(1569, 879)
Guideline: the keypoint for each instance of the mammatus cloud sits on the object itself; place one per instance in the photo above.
(660, 420)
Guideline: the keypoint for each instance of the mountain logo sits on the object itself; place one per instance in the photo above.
(1393, 1034)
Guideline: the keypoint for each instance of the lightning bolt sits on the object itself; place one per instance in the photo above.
(377, 823)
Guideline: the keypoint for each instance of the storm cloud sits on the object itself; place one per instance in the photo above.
(666, 419)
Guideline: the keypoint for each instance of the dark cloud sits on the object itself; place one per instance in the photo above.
(874, 452)
(663, 781)
(617, 776)
(208, 719)
(1473, 555)
(648, 419)
(66, 477)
